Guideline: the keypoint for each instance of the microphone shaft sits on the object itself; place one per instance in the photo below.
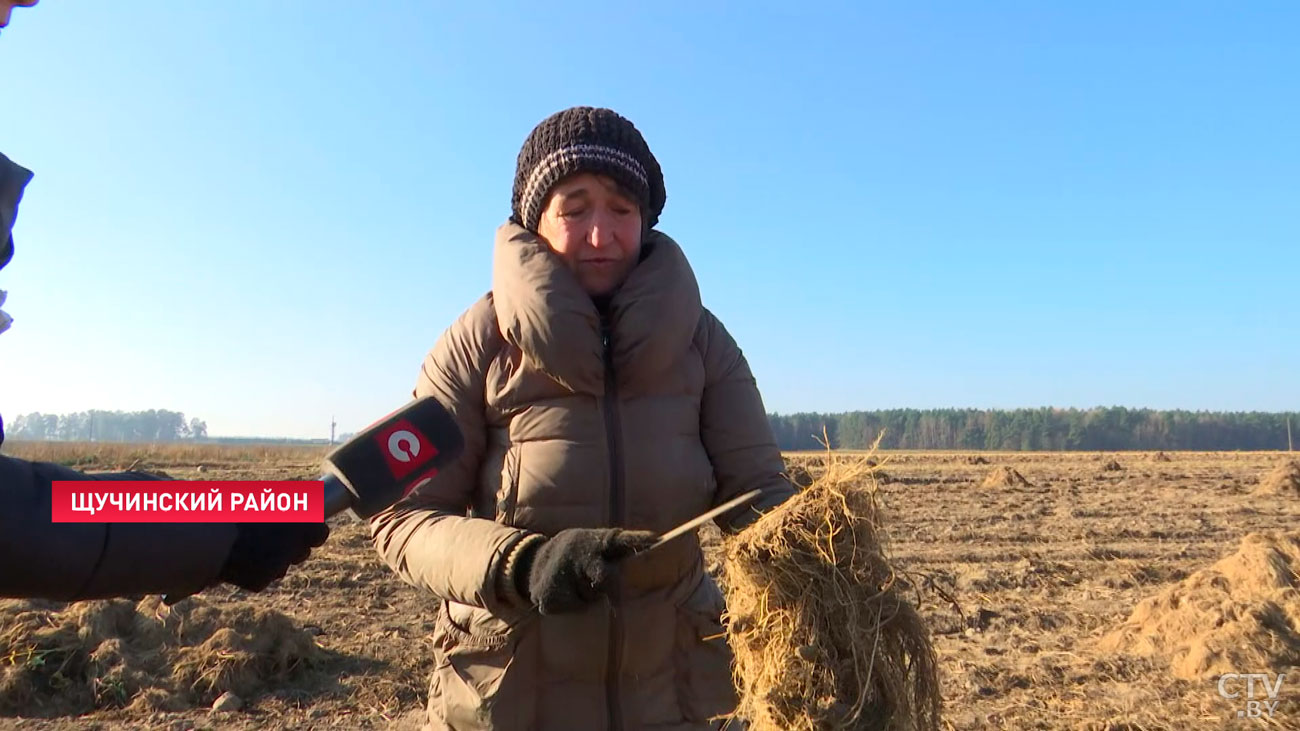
(337, 497)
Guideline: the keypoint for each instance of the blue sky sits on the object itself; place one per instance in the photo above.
(264, 214)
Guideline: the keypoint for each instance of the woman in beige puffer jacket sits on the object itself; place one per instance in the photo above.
(601, 405)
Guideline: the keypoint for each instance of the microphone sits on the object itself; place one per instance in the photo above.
(383, 463)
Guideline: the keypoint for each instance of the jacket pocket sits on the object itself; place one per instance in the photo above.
(703, 657)
(486, 672)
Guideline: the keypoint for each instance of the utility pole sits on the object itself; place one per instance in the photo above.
(334, 424)
(1289, 448)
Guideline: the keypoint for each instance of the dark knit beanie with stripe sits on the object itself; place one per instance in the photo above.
(590, 140)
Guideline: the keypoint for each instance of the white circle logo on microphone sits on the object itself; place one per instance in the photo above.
(403, 445)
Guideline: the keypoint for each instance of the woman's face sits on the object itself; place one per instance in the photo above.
(596, 230)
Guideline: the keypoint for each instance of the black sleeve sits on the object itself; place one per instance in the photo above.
(71, 561)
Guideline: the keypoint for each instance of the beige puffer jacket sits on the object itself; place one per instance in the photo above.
(558, 435)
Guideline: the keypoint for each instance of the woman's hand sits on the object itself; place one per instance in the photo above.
(575, 567)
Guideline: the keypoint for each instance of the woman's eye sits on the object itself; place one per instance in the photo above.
(572, 213)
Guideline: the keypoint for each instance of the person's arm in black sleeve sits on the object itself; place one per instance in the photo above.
(73, 561)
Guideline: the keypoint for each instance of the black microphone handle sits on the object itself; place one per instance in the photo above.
(337, 496)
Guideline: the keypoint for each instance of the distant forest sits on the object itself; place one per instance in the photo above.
(1115, 428)
(1098, 429)
(154, 425)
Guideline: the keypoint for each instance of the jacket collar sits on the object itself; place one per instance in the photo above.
(542, 310)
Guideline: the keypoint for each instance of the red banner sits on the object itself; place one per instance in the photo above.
(181, 501)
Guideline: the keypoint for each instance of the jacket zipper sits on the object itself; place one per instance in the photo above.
(614, 439)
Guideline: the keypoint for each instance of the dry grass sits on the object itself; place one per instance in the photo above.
(1005, 477)
(1242, 612)
(116, 456)
(1283, 480)
(823, 637)
(57, 660)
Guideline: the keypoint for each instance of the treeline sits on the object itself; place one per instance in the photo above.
(154, 425)
(1115, 428)
(1109, 429)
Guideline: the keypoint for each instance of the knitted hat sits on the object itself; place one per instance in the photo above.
(585, 139)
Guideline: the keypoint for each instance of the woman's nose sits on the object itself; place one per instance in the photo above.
(602, 232)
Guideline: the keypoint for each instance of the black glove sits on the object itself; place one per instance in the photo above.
(263, 552)
(575, 567)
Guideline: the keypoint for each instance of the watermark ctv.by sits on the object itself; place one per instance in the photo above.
(1255, 695)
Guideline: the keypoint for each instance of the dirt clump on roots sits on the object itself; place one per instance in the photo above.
(798, 474)
(63, 660)
(1160, 457)
(1112, 466)
(1284, 480)
(976, 459)
(823, 636)
(1005, 477)
(1241, 614)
